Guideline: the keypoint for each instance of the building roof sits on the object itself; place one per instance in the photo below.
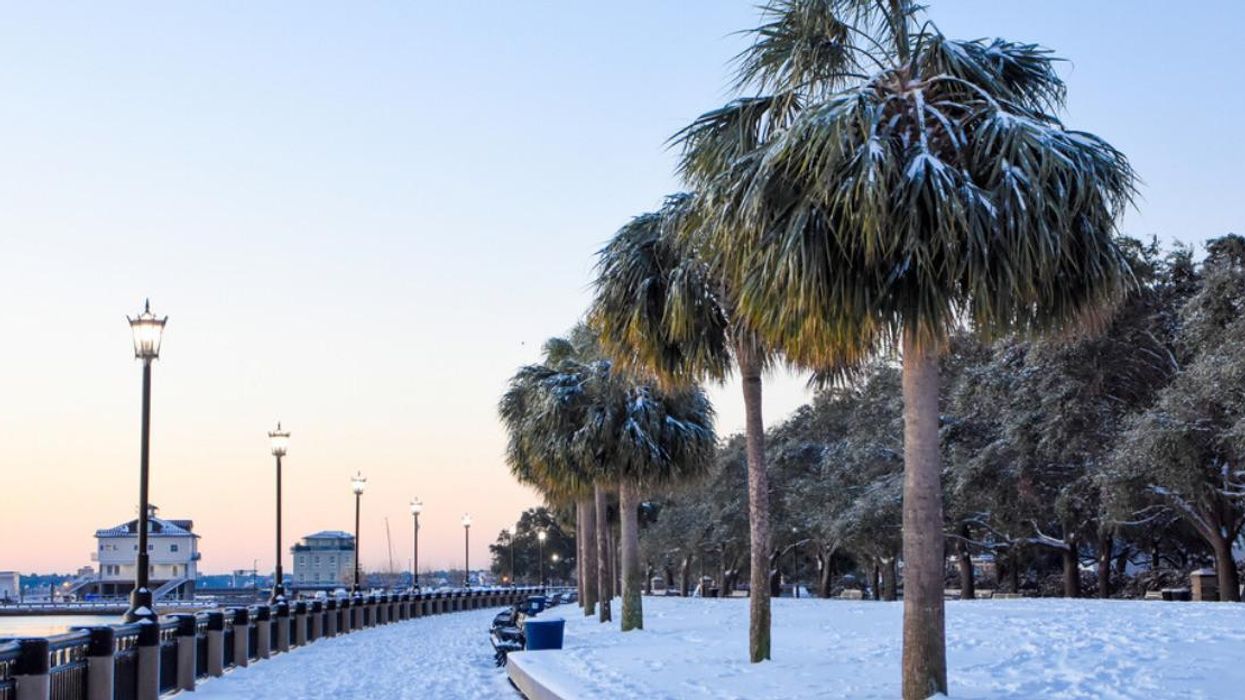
(159, 528)
(329, 534)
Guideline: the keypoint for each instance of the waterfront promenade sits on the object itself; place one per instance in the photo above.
(447, 657)
(144, 660)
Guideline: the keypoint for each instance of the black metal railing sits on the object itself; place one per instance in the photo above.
(139, 659)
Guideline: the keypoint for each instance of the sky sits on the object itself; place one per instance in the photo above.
(361, 218)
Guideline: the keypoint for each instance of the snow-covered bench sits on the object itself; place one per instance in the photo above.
(852, 594)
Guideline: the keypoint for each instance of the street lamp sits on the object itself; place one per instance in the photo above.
(417, 506)
(540, 538)
(358, 483)
(466, 551)
(148, 331)
(510, 536)
(280, 440)
(555, 565)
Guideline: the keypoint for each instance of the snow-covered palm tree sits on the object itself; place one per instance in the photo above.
(660, 309)
(541, 412)
(901, 184)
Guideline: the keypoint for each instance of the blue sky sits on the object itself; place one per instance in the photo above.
(361, 217)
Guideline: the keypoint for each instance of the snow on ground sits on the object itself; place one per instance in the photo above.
(445, 657)
(1048, 648)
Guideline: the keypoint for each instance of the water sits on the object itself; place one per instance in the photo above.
(44, 625)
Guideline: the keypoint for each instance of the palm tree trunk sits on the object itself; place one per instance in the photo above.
(590, 556)
(629, 524)
(924, 614)
(579, 551)
(758, 509)
(604, 589)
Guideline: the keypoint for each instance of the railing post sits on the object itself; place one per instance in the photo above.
(148, 660)
(263, 632)
(187, 659)
(283, 627)
(356, 612)
(241, 636)
(100, 664)
(317, 620)
(32, 670)
(216, 644)
(300, 624)
(330, 617)
(382, 606)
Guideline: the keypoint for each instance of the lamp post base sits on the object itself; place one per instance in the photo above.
(142, 606)
(278, 595)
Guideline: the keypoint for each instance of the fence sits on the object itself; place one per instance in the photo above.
(143, 660)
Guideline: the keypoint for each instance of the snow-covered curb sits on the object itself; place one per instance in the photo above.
(697, 648)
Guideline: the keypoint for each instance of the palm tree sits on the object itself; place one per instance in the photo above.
(541, 415)
(922, 184)
(661, 309)
(643, 437)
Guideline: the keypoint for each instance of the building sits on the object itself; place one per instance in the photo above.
(324, 560)
(172, 550)
(10, 585)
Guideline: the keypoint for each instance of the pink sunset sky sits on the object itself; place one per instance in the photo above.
(361, 220)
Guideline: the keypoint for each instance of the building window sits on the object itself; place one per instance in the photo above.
(316, 560)
(172, 548)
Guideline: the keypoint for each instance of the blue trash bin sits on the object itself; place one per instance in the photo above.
(543, 634)
(536, 604)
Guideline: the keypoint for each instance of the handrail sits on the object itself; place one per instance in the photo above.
(68, 652)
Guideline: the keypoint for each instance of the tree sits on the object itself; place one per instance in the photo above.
(1185, 451)
(924, 183)
(639, 436)
(525, 549)
(661, 309)
(542, 409)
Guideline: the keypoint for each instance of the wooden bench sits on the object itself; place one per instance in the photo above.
(852, 594)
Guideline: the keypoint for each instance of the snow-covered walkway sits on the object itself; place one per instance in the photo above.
(1048, 648)
(445, 657)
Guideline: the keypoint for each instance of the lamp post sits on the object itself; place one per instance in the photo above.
(554, 559)
(148, 331)
(417, 506)
(466, 551)
(280, 440)
(540, 538)
(510, 536)
(358, 483)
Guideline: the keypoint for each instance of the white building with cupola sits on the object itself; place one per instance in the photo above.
(172, 550)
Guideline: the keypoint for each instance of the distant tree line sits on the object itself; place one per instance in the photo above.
(522, 549)
(1091, 463)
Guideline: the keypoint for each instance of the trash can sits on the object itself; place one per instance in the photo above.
(536, 604)
(543, 634)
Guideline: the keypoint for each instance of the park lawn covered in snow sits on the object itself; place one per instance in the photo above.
(1034, 648)
(442, 656)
